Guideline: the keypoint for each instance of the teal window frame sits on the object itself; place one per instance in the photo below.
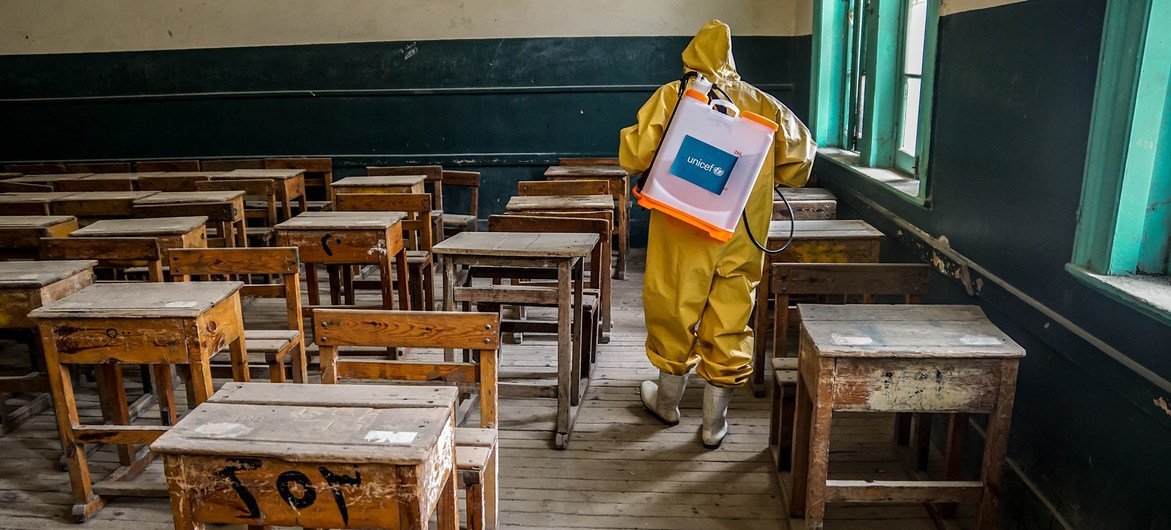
(1124, 223)
(834, 82)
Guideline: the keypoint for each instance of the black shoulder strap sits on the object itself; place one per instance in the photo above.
(682, 88)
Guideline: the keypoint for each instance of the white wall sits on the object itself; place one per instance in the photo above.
(56, 26)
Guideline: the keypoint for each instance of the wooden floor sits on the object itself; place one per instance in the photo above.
(622, 470)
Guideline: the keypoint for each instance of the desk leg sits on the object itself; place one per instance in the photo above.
(760, 330)
(115, 410)
(564, 356)
(239, 353)
(165, 392)
(448, 516)
(800, 448)
(578, 330)
(286, 206)
(182, 513)
(819, 432)
(996, 444)
(65, 407)
(241, 233)
(448, 265)
(404, 298)
(199, 379)
(623, 236)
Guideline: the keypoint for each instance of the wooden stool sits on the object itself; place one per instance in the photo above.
(900, 358)
(342, 456)
(158, 324)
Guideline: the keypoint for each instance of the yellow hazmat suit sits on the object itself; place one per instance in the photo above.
(698, 292)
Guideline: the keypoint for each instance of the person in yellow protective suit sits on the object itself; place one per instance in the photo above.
(698, 292)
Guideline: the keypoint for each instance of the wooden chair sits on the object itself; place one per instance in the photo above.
(599, 284)
(318, 174)
(562, 187)
(417, 233)
(231, 164)
(98, 167)
(278, 346)
(588, 161)
(36, 169)
(433, 177)
(865, 280)
(167, 165)
(476, 449)
(173, 181)
(118, 253)
(256, 191)
(455, 223)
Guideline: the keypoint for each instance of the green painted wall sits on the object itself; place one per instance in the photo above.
(1014, 92)
(509, 107)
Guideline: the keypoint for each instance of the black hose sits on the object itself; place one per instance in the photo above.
(792, 227)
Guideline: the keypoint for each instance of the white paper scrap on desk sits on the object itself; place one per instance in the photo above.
(391, 437)
(980, 340)
(181, 304)
(851, 340)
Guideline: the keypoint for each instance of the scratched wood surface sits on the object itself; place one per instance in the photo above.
(520, 203)
(394, 181)
(341, 221)
(621, 471)
(158, 226)
(518, 244)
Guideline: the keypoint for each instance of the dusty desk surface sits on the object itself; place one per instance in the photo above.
(586, 171)
(892, 331)
(384, 180)
(141, 227)
(190, 197)
(140, 300)
(341, 221)
(560, 202)
(518, 244)
(34, 221)
(275, 174)
(48, 178)
(34, 196)
(823, 229)
(805, 194)
(31, 274)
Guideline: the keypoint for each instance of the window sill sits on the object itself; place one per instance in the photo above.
(907, 187)
(1150, 295)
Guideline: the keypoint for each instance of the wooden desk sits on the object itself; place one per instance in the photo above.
(531, 204)
(833, 241)
(881, 358)
(30, 203)
(103, 182)
(342, 456)
(172, 232)
(349, 238)
(223, 208)
(620, 188)
(290, 185)
(20, 235)
(380, 184)
(25, 286)
(98, 204)
(51, 179)
(519, 254)
(159, 324)
(808, 204)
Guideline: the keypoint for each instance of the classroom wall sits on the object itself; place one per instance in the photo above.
(1013, 99)
(503, 86)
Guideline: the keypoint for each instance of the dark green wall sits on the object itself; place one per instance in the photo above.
(1013, 99)
(509, 107)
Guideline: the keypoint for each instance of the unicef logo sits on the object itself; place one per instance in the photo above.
(718, 171)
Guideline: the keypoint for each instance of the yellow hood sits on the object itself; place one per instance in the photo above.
(710, 53)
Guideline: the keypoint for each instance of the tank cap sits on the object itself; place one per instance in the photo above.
(701, 85)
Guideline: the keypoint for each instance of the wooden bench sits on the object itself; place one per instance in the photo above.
(112, 252)
(432, 176)
(224, 211)
(454, 223)
(548, 188)
(231, 164)
(102, 182)
(341, 456)
(381, 184)
(476, 449)
(417, 233)
(173, 181)
(99, 167)
(20, 235)
(290, 186)
(260, 205)
(277, 345)
(167, 165)
(619, 181)
(587, 161)
(29, 202)
(94, 205)
(38, 182)
(807, 204)
(864, 280)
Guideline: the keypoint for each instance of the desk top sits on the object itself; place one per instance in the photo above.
(139, 300)
(106, 196)
(25, 197)
(187, 174)
(518, 244)
(904, 331)
(289, 427)
(33, 221)
(384, 180)
(586, 171)
(521, 203)
(48, 178)
(275, 174)
(157, 226)
(35, 274)
(121, 176)
(823, 229)
(805, 194)
(342, 221)
(190, 197)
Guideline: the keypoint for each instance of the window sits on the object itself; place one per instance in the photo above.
(873, 62)
(1124, 223)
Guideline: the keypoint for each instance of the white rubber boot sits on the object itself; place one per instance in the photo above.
(662, 399)
(715, 415)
